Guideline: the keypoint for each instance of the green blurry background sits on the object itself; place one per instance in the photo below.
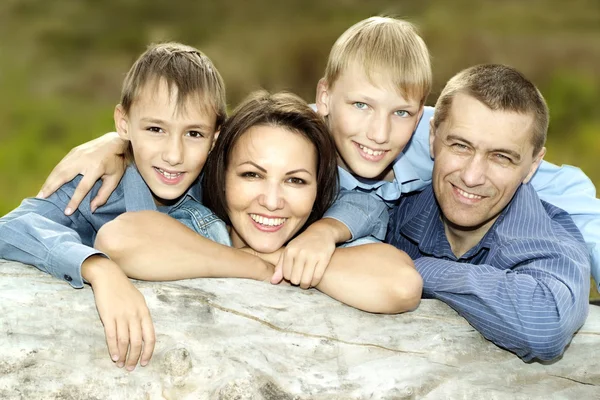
(62, 61)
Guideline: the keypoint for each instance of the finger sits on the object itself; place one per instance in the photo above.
(149, 337)
(307, 274)
(297, 269)
(82, 189)
(135, 340)
(55, 180)
(278, 274)
(110, 332)
(318, 274)
(287, 265)
(122, 341)
(109, 184)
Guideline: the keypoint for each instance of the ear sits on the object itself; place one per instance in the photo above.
(121, 122)
(214, 140)
(322, 99)
(431, 138)
(535, 164)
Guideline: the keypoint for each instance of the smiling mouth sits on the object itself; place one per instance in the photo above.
(265, 221)
(370, 151)
(168, 175)
(468, 195)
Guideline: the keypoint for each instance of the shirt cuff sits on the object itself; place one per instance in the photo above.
(66, 260)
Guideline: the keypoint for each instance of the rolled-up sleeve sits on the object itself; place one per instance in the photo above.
(40, 234)
(364, 214)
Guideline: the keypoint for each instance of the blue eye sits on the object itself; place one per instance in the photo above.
(402, 113)
(360, 105)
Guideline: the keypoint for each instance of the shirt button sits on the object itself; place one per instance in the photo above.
(68, 278)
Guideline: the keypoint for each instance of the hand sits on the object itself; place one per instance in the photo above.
(305, 258)
(123, 312)
(269, 259)
(100, 158)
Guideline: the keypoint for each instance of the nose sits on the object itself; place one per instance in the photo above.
(173, 150)
(379, 128)
(272, 197)
(473, 173)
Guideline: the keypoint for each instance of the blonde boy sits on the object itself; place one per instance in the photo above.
(172, 104)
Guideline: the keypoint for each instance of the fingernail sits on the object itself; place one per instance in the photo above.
(144, 363)
(130, 368)
(115, 357)
(120, 365)
(93, 207)
(68, 211)
(40, 195)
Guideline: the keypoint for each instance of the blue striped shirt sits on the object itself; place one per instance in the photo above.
(524, 286)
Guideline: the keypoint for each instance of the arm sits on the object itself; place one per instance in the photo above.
(38, 233)
(101, 158)
(532, 309)
(363, 214)
(373, 277)
(131, 241)
(570, 189)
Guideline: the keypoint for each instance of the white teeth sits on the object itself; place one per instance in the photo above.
(267, 221)
(168, 175)
(468, 195)
(371, 152)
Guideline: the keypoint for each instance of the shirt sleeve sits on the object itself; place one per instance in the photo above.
(364, 214)
(40, 234)
(569, 188)
(532, 309)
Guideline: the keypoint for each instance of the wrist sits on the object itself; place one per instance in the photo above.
(96, 267)
(333, 229)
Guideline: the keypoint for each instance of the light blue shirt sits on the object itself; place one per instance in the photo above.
(40, 234)
(524, 286)
(566, 187)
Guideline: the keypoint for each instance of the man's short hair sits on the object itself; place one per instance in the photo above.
(386, 46)
(500, 88)
(182, 67)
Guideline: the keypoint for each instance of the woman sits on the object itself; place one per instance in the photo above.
(272, 172)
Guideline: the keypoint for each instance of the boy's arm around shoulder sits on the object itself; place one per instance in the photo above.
(40, 234)
(363, 214)
(569, 188)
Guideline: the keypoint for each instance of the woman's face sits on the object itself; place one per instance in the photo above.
(270, 187)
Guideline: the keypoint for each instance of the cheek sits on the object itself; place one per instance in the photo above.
(302, 203)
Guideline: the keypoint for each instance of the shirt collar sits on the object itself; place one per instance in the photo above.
(138, 196)
(430, 236)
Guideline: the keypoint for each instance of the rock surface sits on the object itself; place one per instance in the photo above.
(240, 339)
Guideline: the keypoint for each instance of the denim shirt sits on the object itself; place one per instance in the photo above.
(365, 212)
(39, 233)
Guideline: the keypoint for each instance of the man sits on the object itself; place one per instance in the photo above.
(515, 267)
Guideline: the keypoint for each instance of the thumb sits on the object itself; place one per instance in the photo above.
(278, 274)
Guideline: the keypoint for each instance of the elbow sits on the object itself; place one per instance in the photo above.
(538, 346)
(405, 286)
(109, 241)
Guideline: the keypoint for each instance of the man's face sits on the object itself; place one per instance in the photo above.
(481, 157)
(370, 123)
(170, 145)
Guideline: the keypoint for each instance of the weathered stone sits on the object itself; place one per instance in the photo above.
(240, 339)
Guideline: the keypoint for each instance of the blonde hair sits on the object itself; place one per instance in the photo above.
(387, 46)
(500, 88)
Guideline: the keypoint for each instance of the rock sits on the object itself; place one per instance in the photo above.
(240, 339)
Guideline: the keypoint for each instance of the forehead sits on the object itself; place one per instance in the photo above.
(275, 145)
(380, 84)
(471, 120)
(155, 99)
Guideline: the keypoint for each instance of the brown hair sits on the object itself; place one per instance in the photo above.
(388, 46)
(183, 67)
(283, 110)
(501, 88)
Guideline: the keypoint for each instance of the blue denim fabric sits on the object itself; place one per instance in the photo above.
(203, 221)
(40, 234)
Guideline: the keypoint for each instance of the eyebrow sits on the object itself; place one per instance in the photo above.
(512, 153)
(159, 121)
(265, 171)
